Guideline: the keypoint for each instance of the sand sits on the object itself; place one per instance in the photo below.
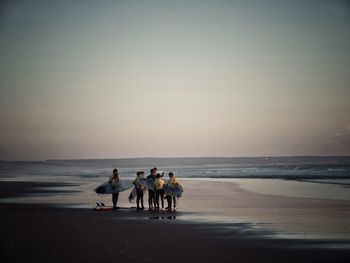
(50, 233)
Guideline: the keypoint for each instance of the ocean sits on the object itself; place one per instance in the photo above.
(299, 197)
(310, 167)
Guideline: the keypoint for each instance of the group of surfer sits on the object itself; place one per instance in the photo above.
(156, 193)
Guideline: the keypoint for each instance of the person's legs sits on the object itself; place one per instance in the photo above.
(141, 198)
(168, 198)
(157, 198)
(161, 198)
(115, 199)
(154, 198)
(150, 198)
(174, 199)
(130, 198)
(137, 199)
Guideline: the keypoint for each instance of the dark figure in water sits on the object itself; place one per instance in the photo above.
(139, 190)
(174, 182)
(114, 180)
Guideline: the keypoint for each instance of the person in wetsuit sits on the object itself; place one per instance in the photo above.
(158, 186)
(172, 199)
(139, 190)
(114, 180)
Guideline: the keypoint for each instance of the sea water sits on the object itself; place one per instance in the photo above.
(332, 174)
(240, 167)
(308, 177)
(231, 190)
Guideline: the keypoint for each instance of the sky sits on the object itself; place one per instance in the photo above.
(119, 79)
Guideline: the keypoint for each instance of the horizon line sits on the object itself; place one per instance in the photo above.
(177, 157)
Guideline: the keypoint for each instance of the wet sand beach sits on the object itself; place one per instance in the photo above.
(51, 233)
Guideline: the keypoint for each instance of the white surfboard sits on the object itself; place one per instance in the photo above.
(172, 190)
(107, 188)
(147, 183)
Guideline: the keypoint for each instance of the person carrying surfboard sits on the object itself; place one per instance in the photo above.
(114, 180)
(173, 182)
(158, 185)
(139, 190)
(151, 192)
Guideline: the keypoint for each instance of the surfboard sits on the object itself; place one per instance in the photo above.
(107, 188)
(132, 195)
(173, 190)
(147, 183)
(102, 207)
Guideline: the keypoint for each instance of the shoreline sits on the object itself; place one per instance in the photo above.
(47, 232)
(288, 217)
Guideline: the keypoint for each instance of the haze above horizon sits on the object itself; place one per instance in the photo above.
(119, 79)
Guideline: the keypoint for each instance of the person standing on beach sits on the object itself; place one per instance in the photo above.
(154, 174)
(173, 182)
(114, 180)
(151, 192)
(139, 190)
(158, 185)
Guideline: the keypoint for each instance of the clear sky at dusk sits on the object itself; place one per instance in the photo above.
(110, 79)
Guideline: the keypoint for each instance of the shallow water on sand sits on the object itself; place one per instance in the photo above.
(317, 189)
(286, 208)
